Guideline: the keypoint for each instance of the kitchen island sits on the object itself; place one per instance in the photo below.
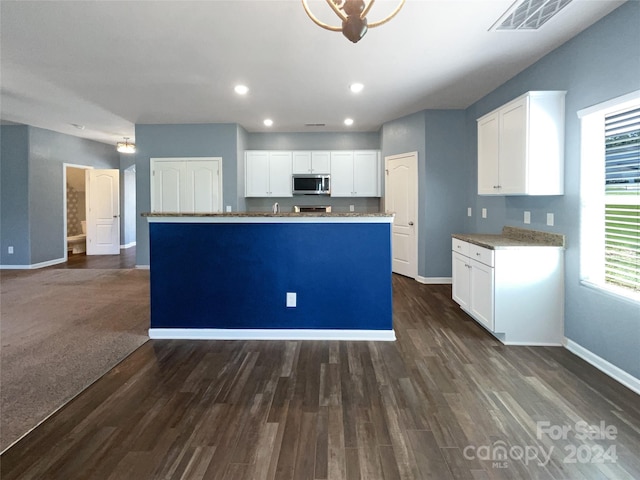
(271, 276)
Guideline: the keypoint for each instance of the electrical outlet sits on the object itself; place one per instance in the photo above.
(10, 250)
(352, 208)
(228, 208)
(550, 219)
(469, 212)
(291, 299)
(484, 213)
(527, 217)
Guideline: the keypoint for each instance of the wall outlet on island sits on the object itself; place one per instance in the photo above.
(291, 299)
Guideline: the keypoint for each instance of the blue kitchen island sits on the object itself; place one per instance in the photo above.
(271, 276)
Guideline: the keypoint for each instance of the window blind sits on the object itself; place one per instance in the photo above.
(622, 199)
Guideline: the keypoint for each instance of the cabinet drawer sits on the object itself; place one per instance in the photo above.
(460, 246)
(481, 254)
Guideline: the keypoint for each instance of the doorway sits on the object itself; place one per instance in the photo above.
(401, 198)
(74, 208)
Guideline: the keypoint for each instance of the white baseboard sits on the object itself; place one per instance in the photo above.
(270, 334)
(143, 267)
(433, 280)
(128, 245)
(604, 366)
(48, 263)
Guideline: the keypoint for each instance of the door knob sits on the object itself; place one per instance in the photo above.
(116, 216)
(411, 224)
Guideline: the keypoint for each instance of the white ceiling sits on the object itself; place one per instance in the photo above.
(108, 65)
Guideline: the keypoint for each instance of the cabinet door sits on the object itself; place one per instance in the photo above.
(366, 174)
(320, 162)
(256, 172)
(280, 174)
(488, 155)
(342, 174)
(513, 144)
(482, 293)
(461, 278)
(302, 162)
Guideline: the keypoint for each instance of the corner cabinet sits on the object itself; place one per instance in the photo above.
(521, 146)
(355, 173)
(267, 174)
(516, 293)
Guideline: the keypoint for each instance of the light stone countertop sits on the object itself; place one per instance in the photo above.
(269, 214)
(513, 237)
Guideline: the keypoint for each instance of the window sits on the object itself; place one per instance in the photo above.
(610, 196)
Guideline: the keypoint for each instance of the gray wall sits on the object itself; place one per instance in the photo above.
(438, 137)
(601, 63)
(314, 141)
(195, 140)
(37, 198)
(14, 195)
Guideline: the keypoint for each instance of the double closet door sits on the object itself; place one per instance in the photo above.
(186, 185)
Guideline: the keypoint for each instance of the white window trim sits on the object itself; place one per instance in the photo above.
(592, 194)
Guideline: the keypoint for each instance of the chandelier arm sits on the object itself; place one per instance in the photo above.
(367, 8)
(393, 14)
(337, 11)
(318, 22)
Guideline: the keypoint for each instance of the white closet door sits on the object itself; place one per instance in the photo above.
(203, 186)
(167, 186)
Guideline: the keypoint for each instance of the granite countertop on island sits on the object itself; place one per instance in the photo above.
(270, 214)
(514, 237)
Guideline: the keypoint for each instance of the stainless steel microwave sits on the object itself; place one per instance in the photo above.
(311, 184)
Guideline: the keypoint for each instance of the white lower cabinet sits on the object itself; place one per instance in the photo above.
(515, 293)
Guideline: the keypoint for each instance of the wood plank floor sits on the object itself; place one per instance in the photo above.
(126, 259)
(445, 401)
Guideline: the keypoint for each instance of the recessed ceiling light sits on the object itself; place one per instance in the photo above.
(356, 87)
(241, 89)
(268, 122)
(348, 122)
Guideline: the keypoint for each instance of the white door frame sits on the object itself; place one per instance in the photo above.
(64, 201)
(416, 222)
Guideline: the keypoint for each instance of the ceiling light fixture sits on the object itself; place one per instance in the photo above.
(241, 89)
(268, 122)
(356, 87)
(353, 14)
(348, 122)
(126, 146)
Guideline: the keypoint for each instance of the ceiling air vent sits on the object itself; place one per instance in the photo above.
(315, 124)
(529, 14)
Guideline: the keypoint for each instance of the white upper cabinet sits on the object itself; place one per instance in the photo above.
(268, 174)
(521, 146)
(313, 162)
(355, 174)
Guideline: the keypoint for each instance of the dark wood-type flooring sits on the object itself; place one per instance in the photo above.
(446, 400)
(126, 259)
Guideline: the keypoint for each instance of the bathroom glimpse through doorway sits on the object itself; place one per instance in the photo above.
(74, 209)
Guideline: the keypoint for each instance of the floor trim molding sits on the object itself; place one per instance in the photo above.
(270, 334)
(433, 280)
(604, 366)
(48, 263)
(128, 245)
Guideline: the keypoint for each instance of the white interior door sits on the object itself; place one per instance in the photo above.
(203, 186)
(103, 212)
(401, 198)
(167, 186)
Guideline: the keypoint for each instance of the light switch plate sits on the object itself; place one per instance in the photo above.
(291, 299)
(527, 217)
(550, 219)
(484, 213)
(469, 212)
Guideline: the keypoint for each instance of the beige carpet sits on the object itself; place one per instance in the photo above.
(60, 331)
